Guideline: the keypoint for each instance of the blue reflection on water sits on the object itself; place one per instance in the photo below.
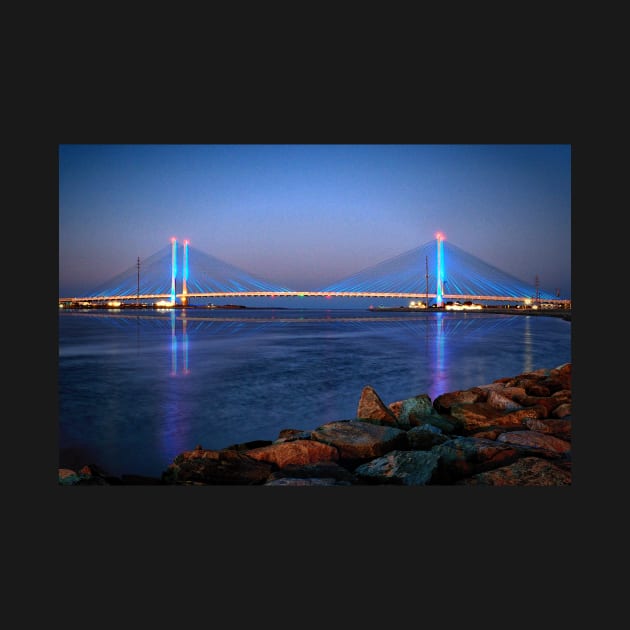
(135, 390)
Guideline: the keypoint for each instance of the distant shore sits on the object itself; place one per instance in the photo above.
(563, 313)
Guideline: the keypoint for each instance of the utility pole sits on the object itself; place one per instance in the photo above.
(426, 263)
(138, 292)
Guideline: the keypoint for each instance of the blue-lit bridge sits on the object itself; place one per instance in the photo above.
(436, 271)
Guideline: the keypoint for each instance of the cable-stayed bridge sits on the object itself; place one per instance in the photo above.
(436, 271)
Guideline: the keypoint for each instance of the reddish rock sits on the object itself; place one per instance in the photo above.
(538, 390)
(208, 467)
(499, 401)
(465, 456)
(520, 416)
(534, 439)
(514, 393)
(297, 452)
(490, 434)
(548, 403)
(558, 428)
(373, 408)
(445, 402)
(474, 416)
(562, 395)
(562, 411)
(396, 408)
(557, 382)
(360, 440)
(527, 471)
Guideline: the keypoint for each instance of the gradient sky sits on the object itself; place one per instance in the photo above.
(304, 216)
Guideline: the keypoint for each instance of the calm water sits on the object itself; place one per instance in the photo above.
(136, 389)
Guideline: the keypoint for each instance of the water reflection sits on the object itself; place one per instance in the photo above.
(528, 346)
(438, 327)
(175, 370)
(441, 373)
(140, 387)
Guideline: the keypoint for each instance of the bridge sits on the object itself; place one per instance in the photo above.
(436, 271)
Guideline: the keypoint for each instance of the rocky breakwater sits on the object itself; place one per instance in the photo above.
(515, 431)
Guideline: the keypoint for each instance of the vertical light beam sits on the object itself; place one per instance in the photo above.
(439, 290)
(173, 269)
(185, 273)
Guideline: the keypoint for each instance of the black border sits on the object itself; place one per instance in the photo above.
(438, 525)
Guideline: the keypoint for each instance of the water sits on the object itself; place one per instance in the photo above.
(137, 388)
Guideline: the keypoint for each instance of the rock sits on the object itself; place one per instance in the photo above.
(67, 477)
(466, 456)
(425, 437)
(562, 411)
(527, 471)
(286, 435)
(294, 452)
(408, 468)
(501, 402)
(474, 415)
(371, 407)
(534, 439)
(558, 428)
(444, 402)
(356, 440)
(413, 412)
(514, 431)
(208, 467)
(322, 470)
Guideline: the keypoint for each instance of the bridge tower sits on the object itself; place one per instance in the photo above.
(185, 275)
(439, 289)
(173, 269)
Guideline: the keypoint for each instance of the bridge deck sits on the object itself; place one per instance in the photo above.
(328, 294)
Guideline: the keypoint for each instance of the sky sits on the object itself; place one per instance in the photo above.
(305, 216)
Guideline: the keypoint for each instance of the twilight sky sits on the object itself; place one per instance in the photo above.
(304, 216)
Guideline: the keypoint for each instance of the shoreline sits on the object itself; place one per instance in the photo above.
(491, 310)
(514, 431)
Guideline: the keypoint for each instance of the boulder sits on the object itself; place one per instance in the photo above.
(371, 407)
(299, 452)
(527, 471)
(356, 440)
(466, 456)
(208, 467)
(408, 468)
